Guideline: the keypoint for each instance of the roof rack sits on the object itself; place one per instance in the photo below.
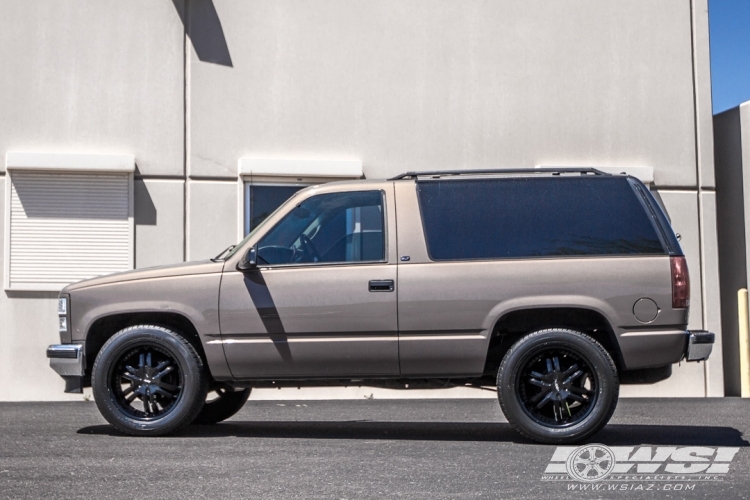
(545, 170)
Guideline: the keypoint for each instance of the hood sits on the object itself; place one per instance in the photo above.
(183, 269)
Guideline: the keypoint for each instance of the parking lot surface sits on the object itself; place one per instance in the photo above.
(371, 449)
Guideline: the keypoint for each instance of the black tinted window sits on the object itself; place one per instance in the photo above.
(337, 227)
(530, 217)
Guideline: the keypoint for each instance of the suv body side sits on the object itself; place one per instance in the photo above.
(437, 322)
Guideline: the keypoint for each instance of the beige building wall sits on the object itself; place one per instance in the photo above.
(189, 88)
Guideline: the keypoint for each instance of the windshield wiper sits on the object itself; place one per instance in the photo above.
(223, 252)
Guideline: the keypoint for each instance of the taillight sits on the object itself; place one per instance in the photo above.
(680, 283)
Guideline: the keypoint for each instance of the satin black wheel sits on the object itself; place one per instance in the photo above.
(146, 382)
(557, 386)
(149, 381)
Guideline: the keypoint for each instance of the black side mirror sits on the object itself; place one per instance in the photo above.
(249, 262)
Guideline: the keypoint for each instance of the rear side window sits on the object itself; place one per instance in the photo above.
(534, 217)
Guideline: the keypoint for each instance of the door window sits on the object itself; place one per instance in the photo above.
(328, 228)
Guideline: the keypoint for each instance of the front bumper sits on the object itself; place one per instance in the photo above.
(68, 361)
(700, 343)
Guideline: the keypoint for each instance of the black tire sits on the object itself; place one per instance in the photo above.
(149, 381)
(538, 399)
(226, 404)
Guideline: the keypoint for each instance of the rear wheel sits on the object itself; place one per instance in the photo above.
(222, 403)
(557, 386)
(148, 381)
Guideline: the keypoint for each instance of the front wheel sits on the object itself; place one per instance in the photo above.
(557, 386)
(148, 381)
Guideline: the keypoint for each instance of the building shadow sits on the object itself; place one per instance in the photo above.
(257, 289)
(203, 27)
(612, 435)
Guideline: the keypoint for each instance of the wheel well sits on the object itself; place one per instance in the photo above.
(514, 325)
(104, 328)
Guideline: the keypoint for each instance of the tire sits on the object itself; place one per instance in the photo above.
(540, 401)
(224, 406)
(149, 381)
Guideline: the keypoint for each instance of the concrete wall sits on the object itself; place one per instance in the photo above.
(732, 136)
(191, 87)
(89, 77)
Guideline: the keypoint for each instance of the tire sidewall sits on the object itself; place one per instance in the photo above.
(192, 394)
(593, 353)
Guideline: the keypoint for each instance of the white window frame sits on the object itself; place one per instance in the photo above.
(62, 164)
(285, 172)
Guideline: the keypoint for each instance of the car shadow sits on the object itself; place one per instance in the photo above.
(613, 435)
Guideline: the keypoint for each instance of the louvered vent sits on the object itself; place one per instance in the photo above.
(65, 227)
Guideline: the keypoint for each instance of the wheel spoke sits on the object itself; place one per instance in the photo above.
(538, 383)
(163, 392)
(133, 378)
(131, 398)
(572, 377)
(167, 387)
(557, 409)
(161, 366)
(569, 370)
(544, 400)
(163, 372)
(141, 360)
(549, 365)
(148, 359)
(580, 390)
(576, 397)
(556, 361)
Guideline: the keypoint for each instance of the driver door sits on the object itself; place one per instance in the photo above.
(322, 302)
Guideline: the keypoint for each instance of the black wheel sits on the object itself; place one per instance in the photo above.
(557, 386)
(148, 381)
(222, 402)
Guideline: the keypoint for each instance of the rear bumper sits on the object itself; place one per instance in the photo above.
(699, 345)
(68, 361)
(649, 349)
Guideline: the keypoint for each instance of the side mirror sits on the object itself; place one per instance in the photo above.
(249, 262)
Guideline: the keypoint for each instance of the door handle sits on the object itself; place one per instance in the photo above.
(381, 285)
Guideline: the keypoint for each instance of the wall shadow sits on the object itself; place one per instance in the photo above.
(203, 27)
(612, 435)
(145, 210)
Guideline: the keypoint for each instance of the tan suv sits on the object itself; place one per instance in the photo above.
(551, 284)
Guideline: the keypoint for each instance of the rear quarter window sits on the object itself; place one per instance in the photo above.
(534, 217)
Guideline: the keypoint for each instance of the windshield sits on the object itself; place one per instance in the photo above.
(258, 228)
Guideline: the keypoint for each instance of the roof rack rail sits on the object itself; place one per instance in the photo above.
(545, 170)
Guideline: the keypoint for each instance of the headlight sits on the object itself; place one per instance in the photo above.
(63, 310)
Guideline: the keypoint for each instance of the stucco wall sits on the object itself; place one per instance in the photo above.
(399, 85)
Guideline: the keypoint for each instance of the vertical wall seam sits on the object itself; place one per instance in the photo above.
(186, 131)
(699, 186)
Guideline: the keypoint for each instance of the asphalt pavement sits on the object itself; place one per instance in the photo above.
(371, 449)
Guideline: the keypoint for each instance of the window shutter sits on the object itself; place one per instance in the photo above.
(65, 227)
